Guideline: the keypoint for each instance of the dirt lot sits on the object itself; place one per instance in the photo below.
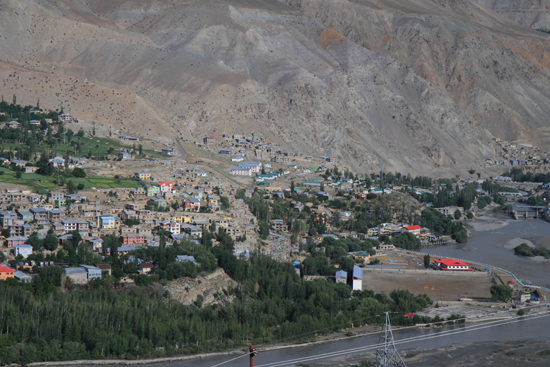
(438, 285)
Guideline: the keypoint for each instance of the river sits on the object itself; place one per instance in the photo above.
(482, 246)
(488, 247)
(530, 329)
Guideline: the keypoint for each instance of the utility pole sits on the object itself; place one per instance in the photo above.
(252, 352)
(387, 355)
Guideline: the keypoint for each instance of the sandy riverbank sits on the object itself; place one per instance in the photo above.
(483, 223)
(510, 245)
(498, 353)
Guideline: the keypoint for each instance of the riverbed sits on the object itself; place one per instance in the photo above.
(489, 246)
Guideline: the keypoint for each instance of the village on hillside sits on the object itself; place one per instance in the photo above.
(173, 196)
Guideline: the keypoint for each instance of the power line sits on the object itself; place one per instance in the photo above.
(402, 341)
(388, 355)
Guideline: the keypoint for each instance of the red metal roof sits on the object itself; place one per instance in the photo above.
(409, 315)
(4, 269)
(412, 228)
(451, 262)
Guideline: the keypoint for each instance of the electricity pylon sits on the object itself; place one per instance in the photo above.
(387, 355)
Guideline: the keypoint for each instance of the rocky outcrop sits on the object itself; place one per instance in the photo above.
(210, 289)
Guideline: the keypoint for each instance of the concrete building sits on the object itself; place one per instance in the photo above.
(22, 276)
(143, 175)
(23, 250)
(106, 222)
(93, 271)
(77, 275)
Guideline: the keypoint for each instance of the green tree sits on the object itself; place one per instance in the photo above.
(458, 214)
(71, 189)
(501, 292)
(426, 261)
(264, 230)
(79, 172)
(225, 202)
(51, 242)
(35, 242)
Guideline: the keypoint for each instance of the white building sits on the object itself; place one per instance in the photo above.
(23, 250)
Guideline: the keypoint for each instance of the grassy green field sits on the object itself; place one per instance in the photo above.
(97, 146)
(41, 184)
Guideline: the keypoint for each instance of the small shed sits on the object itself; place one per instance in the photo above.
(22, 276)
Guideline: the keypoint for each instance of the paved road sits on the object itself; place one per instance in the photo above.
(179, 147)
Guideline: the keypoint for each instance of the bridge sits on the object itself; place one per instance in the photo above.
(527, 211)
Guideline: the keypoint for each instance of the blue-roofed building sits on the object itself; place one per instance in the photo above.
(356, 279)
(93, 271)
(187, 258)
(312, 183)
(22, 277)
(124, 155)
(25, 215)
(123, 250)
(341, 276)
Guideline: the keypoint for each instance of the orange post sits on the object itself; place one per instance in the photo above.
(253, 352)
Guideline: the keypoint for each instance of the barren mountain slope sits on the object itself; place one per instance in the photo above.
(422, 84)
(529, 13)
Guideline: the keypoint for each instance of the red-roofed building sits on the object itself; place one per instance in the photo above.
(6, 273)
(413, 229)
(165, 186)
(451, 264)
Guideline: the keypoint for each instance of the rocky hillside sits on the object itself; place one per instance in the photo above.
(423, 85)
(529, 13)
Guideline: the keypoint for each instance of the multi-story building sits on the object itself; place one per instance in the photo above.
(165, 186)
(106, 222)
(143, 175)
(152, 190)
(132, 240)
(172, 227)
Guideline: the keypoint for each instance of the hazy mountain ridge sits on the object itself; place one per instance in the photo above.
(421, 84)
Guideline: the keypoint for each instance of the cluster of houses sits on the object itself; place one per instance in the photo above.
(240, 146)
(82, 274)
(517, 155)
(64, 213)
(56, 162)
